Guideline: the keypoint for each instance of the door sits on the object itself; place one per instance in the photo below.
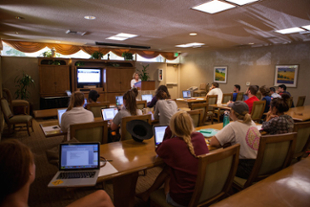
(113, 79)
(172, 80)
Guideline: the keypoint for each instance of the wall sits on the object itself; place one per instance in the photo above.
(255, 65)
(1, 115)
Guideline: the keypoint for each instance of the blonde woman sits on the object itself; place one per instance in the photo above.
(135, 78)
(243, 131)
(75, 113)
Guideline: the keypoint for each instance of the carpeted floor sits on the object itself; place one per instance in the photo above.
(41, 195)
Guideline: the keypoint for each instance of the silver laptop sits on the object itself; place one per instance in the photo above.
(119, 100)
(159, 132)
(108, 113)
(79, 165)
(60, 112)
(147, 97)
(186, 94)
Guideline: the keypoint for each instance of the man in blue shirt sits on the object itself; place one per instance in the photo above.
(236, 91)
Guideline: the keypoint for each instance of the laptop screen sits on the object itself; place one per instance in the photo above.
(108, 113)
(60, 113)
(159, 132)
(147, 97)
(119, 100)
(75, 156)
(186, 94)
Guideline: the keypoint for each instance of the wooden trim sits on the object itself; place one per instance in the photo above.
(302, 100)
(141, 102)
(201, 105)
(227, 94)
(256, 104)
(199, 112)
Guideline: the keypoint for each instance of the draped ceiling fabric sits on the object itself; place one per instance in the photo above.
(64, 49)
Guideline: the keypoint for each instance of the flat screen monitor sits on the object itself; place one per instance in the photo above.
(119, 100)
(88, 75)
(147, 97)
(186, 94)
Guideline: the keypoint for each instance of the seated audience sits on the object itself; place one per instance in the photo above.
(215, 90)
(93, 96)
(276, 121)
(236, 91)
(154, 100)
(241, 131)
(17, 172)
(266, 97)
(135, 78)
(75, 113)
(273, 93)
(245, 95)
(251, 94)
(165, 108)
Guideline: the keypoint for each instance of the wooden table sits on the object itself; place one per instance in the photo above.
(186, 103)
(288, 187)
(220, 106)
(301, 113)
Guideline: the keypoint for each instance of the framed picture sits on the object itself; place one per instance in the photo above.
(220, 74)
(286, 74)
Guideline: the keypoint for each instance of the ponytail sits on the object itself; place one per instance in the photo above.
(130, 102)
(245, 117)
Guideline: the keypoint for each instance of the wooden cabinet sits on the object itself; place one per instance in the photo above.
(111, 97)
(118, 79)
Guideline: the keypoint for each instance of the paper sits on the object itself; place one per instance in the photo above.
(108, 169)
(51, 128)
(200, 98)
(179, 99)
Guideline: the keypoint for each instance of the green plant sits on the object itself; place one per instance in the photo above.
(143, 74)
(22, 84)
(96, 55)
(127, 55)
(47, 54)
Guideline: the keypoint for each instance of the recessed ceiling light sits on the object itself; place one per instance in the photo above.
(213, 7)
(126, 35)
(193, 44)
(18, 17)
(241, 2)
(251, 43)
(290, 30)
(57, 41)
(117, 38)
(193, 34)
(90, 17)
(306, 27)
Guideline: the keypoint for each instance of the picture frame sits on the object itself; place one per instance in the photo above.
(220, 74)
(286, 74)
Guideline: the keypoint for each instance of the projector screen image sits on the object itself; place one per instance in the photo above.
(88, 75)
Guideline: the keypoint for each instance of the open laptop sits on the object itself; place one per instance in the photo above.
(79, 165)
(159, 132)
(108, 113)
(147, 97)
(119, 100)
(186, 94)
(60, 112)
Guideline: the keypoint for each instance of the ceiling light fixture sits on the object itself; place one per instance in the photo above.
(193, 44)
(193, 34)
(117, 38)
(57, 41)
(290, 30)
(241, 2)
(213, 7)
(306, 27)
(90, 17)
(122, 36)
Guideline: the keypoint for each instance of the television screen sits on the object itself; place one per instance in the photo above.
(85, 75)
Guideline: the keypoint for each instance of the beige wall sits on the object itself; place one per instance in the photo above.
(255, 65)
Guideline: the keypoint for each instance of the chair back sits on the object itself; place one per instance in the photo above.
(239, 96)
(211, 99)
(301, 101)
(202, 86)
(7, 95)
(5, 108)
(258, 110)
(124, 133)
(290, 102)
(259, 95)
(216, 171)
(141, 104)
(274, 153)
(303, 139)
(227, 97)
(96, 107)
(197, 116)
(90, 132)
(203, 107)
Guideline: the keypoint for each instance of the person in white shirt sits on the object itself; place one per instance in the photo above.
(273, 93)
(135, 78)
(75, 113)
(215, 90)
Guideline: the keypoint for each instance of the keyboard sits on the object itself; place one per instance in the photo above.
(72, 175)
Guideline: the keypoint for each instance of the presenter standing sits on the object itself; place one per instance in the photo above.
(135, 78)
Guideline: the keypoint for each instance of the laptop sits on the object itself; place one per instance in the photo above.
(79, 165)
(85, 102)
(147, 97)
(186, 94)
(119, 100)
(60, 112)
(108, 113)
(159, 132)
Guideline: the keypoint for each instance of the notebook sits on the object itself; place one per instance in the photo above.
(108, 113)
(147, 97)
(60, 112)
(159, 132)
(79, 165)
(186, 94)
(119, 100)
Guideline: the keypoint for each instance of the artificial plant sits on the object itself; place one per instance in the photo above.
(127, 55)
(96, 55)
(143, 74)
(23, 83)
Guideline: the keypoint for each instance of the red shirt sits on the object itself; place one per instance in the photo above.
(183, 165)
(250, 102)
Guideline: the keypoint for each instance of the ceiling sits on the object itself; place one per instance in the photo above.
(160, 24)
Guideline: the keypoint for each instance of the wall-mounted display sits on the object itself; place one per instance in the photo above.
(286, 74)
(220, 74)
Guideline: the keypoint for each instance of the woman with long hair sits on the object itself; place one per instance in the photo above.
(154, 100)
(75, 113)
(241, 131)
(17, 172)
(165, 108)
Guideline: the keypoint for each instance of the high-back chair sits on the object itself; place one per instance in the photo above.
(259, 95)
(90, 132)
(141, 104)
(290, 102)
(201, 90)
(301, 101)
(239, 96)
(211, 99)
(124, 133)
(16, 103)
(274, 153)
(12, 120)
(197, 116)
(258, 110)
(203, 107)
(227, 97)
(96, 107)
(303, 139)
(216, 171)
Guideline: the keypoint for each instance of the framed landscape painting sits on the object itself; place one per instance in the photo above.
(220, 74)
(286, 74)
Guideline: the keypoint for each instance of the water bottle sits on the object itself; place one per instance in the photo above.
(226, 118)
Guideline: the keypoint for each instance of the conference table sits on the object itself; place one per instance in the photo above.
(187, 103)
(288, 187)
(300, 113)
(220, 106)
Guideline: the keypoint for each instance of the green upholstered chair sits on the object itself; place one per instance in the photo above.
(211, 99)
(197, 116)
(258, 110)
(12, 120)
(303, 139)
(96, 107)
(259, 95)
(124, 133)
(301, 101)
(290, 102)
(227, 97)
(274, 153)
(203, 107)
(141, 104)
(202, 91)
(216, 171)
(90, 132)
(239, 96)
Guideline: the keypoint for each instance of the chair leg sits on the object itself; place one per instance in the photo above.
(28, 128)
(31, 122)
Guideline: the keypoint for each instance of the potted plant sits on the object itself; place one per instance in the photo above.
(143, 74)
(22, 84)
(127, 55)
(96, 55)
